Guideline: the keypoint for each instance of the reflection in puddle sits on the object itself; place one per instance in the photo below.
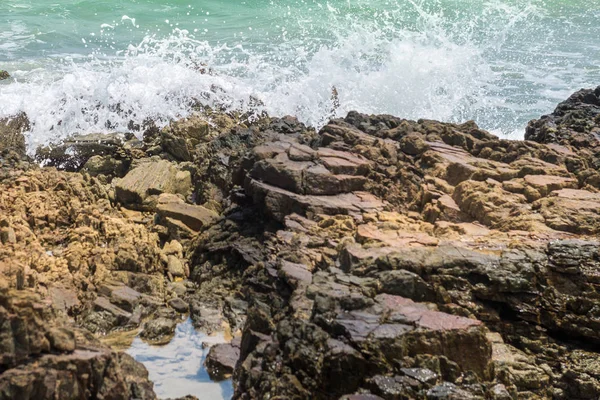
(177, 369)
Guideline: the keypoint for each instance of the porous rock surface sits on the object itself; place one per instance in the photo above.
(45, 357)
(378, 258)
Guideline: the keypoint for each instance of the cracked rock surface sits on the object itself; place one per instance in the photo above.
(378, 258)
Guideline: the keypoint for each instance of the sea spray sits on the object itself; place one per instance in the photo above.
(498, 62)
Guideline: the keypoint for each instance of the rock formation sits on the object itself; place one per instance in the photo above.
(379, 258)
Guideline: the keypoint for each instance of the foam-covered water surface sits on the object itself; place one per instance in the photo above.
(177, 368)
(81, 66)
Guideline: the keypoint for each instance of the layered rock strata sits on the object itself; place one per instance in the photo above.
(376, 258)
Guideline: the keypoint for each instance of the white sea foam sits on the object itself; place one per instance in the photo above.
(427, 65)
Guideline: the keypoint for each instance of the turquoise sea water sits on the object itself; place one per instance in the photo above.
(89, 66)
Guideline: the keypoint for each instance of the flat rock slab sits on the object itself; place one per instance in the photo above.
(152, 178)
(280, 203)
(62, 298)
(193, 216)
(103, 304)
(300, 170)
(397, 326)
(571, 210)
(122, 296)
(549, 183)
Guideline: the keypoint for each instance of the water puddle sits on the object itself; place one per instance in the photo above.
(177, 369)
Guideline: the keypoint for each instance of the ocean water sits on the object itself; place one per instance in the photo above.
(98, 65)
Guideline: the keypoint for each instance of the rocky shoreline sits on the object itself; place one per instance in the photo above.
(378, 258)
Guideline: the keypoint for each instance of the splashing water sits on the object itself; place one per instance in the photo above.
(96, 67)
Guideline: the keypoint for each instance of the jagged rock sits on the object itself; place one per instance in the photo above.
(11, 134)
(74, 153)
(377, 257)
(159, 330)
(181, 137)
(39, 350)
(221, 359)
(573, 122)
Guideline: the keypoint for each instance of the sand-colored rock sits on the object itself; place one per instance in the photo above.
(152, 178)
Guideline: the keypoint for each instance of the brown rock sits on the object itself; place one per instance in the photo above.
(152, 178)
(11, 133)
(279, 202)
(181, 137)
(193, 216)
(175, 267)
(571, 210)
(549, 183)
(39, 349)
(221, 360)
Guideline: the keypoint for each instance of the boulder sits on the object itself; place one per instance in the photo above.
(221, 360)
(180, 138)
(11, 134)
(150, 179)
(193, 216)
(159, 330)
(175, 267)
(178, 305)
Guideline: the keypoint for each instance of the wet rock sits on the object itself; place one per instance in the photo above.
(11, 134)
(159, 330)
(448, 391)
(360, 397)
(499, 392)
(221, 360)
(4, 75)
(396, 387)
(75, 152)
(572, 122)
(206, 318)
